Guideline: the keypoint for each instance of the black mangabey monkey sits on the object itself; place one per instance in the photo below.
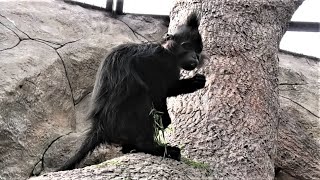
(134, 79)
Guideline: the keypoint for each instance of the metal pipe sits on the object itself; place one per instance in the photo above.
(304, 26)
(109, 5)
(119, 7)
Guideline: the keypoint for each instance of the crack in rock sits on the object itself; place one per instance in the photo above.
(46, 42)
(15, 26)
(13, 33)
(300, 105)
(135, 33)
(43, 155)
(70, 42)
(292, 84)
(83, 97)
(67, 76)
(36, 39)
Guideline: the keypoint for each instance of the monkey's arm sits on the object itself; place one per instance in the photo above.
(185, 86)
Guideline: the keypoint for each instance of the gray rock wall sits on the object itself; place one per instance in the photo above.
(298, 152)
(49, 55)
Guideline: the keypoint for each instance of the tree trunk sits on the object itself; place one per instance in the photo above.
(232, 123)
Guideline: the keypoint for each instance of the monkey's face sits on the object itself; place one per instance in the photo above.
(189, 58)
(186, 48)
(186, 43)
(188, 54)
(189, 48)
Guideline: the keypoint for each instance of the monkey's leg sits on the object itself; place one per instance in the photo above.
(92, 140)
(158, 150)
(185, 86)
(161, 105)
(126, 148)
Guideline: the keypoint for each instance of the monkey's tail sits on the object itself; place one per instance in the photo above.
(92, 140)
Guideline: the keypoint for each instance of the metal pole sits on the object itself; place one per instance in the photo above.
(304, 26)
(119, 7)
(109, 5)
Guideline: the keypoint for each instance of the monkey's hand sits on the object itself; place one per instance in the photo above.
(198, 81)
(173, 152)
(185, 86)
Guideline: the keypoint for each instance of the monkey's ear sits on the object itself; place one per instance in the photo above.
(193, 21)
(168, 37)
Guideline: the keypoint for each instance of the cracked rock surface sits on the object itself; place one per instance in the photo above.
(49, 55)
(132, 166)
(298, 150)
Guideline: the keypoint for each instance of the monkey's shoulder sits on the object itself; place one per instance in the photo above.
(139, 50)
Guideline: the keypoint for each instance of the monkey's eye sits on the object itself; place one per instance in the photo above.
(187, 46)
(169, 37)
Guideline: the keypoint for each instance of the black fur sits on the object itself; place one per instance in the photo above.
(193, 21)
(132, 80)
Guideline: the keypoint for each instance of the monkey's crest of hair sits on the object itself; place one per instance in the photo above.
(193, 20)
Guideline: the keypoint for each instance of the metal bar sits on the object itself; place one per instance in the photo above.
(109, 5)
(119, 7)
(304, 26)
(293, 25)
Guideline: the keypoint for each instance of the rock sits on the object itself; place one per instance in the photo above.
(284, 176)
(8, 38)
(299, 81)
(154, 33)
(57, 155)
(132, 166)
(47, 67)
(81, 110)
(82, 59)
(299, 128)
(34, 109)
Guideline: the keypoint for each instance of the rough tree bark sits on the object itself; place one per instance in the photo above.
(232, 123)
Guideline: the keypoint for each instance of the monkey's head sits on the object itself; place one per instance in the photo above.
(186, 43)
